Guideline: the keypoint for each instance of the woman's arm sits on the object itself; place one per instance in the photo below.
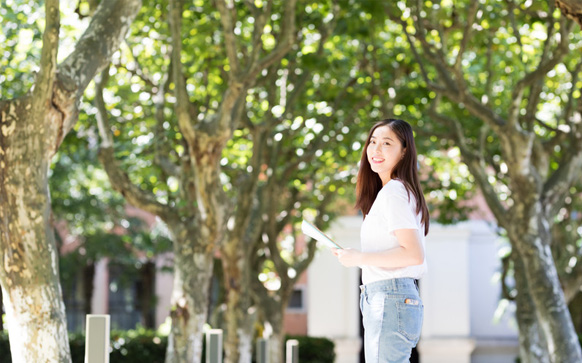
(409, 253)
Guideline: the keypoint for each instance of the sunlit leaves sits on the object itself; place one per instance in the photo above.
(21, 42)
(20, 46)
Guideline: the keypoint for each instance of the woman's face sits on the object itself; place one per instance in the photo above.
(384, 152)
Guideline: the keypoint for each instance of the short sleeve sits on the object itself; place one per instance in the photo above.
(399, 212)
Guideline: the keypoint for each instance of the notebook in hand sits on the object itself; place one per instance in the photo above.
(314, 232)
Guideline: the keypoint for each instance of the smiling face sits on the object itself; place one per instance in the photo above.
(384, 152)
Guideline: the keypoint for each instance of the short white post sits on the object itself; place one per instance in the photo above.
(97, 339)
(292, 351)
(214, 346)
(262, 350)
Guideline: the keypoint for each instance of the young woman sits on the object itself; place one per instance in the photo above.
(396, 221)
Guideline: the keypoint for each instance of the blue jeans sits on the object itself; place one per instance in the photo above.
(392, 314)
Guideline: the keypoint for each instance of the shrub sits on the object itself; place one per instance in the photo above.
(315, 350)
(142, 345)
(129, 346)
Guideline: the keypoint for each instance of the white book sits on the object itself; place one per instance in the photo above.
(314, 232)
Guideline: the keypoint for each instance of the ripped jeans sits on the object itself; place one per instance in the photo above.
(392, 315)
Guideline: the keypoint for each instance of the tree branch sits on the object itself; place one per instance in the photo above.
(476, 165)
(544, 67)
(284, 43)
(559, 183)
(572, 9)
(417, 56)
(248, 186)
(437, 57)
(102, 38)
(505, 290)
(133, 194)
(471, 14)
(102, 115)
(568, 110)
(230, 42)
(120, 180)
(514, 26)
(138, 69)
(43, 87)
(261, 18)
(455, 90)
(572, 285)
(160, 144)
(182, 105)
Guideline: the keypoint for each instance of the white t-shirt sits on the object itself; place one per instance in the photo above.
(390, 211)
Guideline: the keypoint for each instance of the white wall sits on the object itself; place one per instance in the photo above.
(461, 297)
(333, 294)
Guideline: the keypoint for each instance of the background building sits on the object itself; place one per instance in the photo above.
(463, 322)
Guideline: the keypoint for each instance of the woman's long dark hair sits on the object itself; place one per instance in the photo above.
(369, 183)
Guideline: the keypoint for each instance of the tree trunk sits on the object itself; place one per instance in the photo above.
(239, 314)
(277, 339)
(31, 130)
(190, 296)
(29, 257)
(532, 344)
(532, 245)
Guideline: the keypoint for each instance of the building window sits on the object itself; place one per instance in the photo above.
(297, 300)
(123, 301)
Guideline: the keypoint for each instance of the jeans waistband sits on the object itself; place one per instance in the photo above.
(398, 284)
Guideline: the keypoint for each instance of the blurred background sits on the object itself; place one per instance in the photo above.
(168, 172)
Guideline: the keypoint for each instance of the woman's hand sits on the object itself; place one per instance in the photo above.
(348, 257)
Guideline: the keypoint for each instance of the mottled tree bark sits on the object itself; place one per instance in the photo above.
(572, 9)
(239, 315)
(532, 344)
(272, 310)
(31, 129)
(29, 274)
(543, 286)
(277, 339)
(189, 304)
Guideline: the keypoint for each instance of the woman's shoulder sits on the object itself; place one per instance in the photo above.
(394, 186)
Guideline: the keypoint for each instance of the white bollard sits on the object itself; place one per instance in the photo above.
(262, 350)
(97, 339)
(214, 346)
(292, 351)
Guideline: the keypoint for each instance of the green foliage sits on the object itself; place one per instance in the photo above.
(315, 350)
(143, 345)
(4, 348)
(506, 44)
(90, 212)
(140, 345)
(21, 41)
